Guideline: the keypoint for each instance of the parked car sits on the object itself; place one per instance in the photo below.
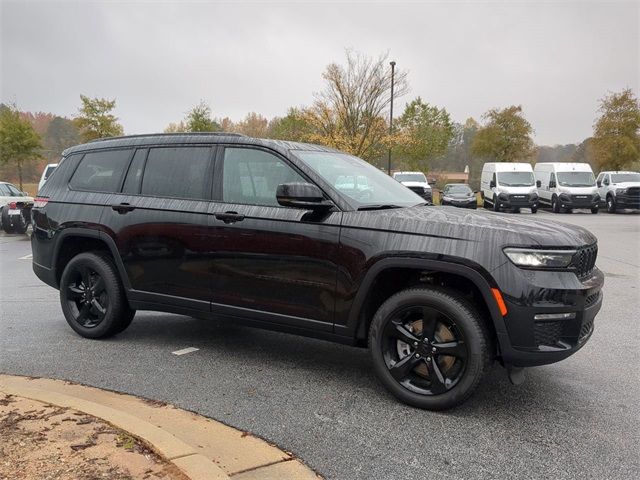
(565, 186)
(458, 195)
(46, 173)
(508, 186)
(15, 209)
(256, 232)
(416, 182)
(619, 190)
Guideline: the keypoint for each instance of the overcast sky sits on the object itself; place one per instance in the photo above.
(158, 59)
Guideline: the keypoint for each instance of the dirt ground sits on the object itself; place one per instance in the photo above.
(43, 442)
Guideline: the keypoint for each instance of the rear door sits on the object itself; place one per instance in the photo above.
(159, 224)
(272, 263)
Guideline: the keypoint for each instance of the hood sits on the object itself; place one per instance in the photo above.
(459, 196)
(475, 226)
(416, 184)
(577, 190)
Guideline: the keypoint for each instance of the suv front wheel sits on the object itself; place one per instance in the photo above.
(430, 347)
(92, 297)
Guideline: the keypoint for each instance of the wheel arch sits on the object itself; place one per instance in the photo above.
(361, 314)
(72, 241)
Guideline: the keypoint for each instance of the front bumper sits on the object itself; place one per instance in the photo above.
(578, 201)
(461, 203)
(529, 341)
(627, 201)
(518, 201)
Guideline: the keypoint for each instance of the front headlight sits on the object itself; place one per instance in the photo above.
(621, 191)
(531, 258)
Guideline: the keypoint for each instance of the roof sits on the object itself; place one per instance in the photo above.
(154, 139)
(510, 166)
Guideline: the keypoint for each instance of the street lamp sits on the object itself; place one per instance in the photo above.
(393, 66)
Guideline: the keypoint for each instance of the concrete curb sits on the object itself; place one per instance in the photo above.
(201, 448)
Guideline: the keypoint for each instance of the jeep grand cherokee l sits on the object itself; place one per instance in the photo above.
(261, 233)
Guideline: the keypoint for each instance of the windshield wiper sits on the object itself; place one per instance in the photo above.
(379, 206)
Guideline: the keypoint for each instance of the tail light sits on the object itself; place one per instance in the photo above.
(13, 205)
(40, 202)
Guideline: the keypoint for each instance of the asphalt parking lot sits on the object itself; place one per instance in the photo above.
(577, 418)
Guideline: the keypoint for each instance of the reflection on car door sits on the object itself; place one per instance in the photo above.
(270, 258)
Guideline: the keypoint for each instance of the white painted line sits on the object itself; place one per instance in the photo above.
(185, 351)
(26, 257)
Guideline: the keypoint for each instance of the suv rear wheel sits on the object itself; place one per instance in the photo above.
(430, 347)
(92, 297)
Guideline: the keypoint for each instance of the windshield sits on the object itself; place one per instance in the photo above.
(410, 177)
(358, 180)
(516, 179)
(462, 188)
(576, 179)
(625, 177)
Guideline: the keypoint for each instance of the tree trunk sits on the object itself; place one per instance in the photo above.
(20, 174)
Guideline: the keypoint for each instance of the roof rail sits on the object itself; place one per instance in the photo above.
(173, 134)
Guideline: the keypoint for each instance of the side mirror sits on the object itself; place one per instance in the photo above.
(302, 195)
(599, 183)
(552, 184)
(538, 183)
(492, 184)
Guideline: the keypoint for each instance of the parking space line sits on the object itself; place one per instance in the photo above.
(184, 351)
(26, 257)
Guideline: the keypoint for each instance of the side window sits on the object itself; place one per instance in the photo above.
(14, 191)
(252, 176)
(599, 179)
(552, 178)
(132, 182)
(4, 190)
(180, 172)
(606, 180)
(100, 171)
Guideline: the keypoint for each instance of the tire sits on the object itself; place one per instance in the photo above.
(611, 204)
(496, 207)
(594, 210)
(21, 227)
(534, 210)
(6, 224)
(555, 206)
(485, 204)
(100, 311)
(454, 323)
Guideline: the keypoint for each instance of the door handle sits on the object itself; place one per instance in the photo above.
(122, 208)
(229, 217)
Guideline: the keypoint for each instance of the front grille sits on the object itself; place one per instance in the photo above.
(585, 329)
(519, 199)
(591, 299)
(633, 192)
(418, 190)
(548, 333)
(584, 260)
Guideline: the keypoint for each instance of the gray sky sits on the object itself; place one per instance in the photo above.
(159, 59)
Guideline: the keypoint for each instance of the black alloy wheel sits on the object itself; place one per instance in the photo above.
(430, 347)
(92, 296)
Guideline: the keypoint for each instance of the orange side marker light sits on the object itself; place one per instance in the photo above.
(500, 301)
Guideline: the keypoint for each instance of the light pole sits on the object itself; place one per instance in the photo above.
(393, 66)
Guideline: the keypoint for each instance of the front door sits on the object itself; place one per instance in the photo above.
(272, 263)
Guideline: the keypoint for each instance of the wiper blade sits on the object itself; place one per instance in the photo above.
(380, 206)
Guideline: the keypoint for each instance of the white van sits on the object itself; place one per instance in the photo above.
(46, 173)
(565, 186)
(508, 186)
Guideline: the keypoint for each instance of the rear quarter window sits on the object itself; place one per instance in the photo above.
(101, 171)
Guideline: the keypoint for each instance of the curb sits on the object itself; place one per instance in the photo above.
(203, 449)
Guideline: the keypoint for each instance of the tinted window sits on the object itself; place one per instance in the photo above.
(132, 182)
(101, 171)
(252, 176)
(4, 190)
(14, 191)
(181, 172)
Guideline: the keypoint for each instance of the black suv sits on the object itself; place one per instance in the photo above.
(265, 233)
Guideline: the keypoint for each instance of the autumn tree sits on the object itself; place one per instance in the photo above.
(61, 134)
(349, 113)
(424, 132)
(95, 120)
(199, 119)
(178, 127)
(253, 125)
(616, 138)
(505, 136)
(19, 142)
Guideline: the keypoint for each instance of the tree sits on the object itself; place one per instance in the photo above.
(19, 142)
(616, 138)
(176, 128)
(253, 125)
(294, 126)
(199, 119)
(95, 119)
(349, 113)
(424, 132)
(61, 134)
(505, 137)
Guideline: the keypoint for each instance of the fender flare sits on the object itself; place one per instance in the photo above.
(95, 234)
(475, 274)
